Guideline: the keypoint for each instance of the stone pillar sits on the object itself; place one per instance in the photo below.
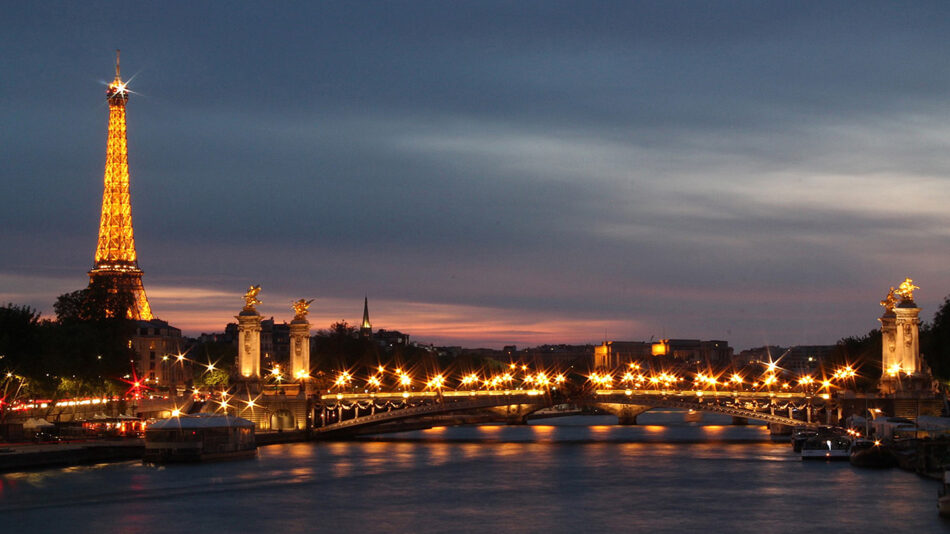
(299, 348)
(906, 336)
(901, 366)
(249, 343)
(888, 340)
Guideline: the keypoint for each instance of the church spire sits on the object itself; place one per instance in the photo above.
(366, 328)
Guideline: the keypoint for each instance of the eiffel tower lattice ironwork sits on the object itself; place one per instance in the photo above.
(116, 268)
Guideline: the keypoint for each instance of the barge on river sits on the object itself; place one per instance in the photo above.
(199, 437)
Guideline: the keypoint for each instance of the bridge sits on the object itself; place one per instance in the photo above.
(344, 414)
(355, 413)
(763, 406)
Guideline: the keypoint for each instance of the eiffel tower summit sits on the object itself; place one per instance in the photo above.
(116, 268)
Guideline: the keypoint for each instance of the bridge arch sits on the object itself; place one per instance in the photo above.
(282, 419)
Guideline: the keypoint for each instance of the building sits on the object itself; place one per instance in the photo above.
(695, 351)
(389, 339)
(275, 344)
(800, 359)
(682, 351)
(616, 353)
(559, 356)
(806, 359)
(157, 345)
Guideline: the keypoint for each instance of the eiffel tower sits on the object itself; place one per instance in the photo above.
(116, 270)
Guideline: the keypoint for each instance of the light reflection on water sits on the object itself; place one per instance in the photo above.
(580, 474)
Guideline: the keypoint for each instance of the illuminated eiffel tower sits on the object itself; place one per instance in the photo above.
(116, 269)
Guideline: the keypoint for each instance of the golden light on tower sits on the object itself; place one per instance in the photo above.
(116, 266)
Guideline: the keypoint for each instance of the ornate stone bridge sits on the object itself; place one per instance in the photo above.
(361, 413)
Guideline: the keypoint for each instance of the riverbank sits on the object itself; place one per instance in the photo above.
(18, 457)
(26, 456)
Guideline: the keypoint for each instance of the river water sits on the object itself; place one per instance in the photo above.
(574, 474)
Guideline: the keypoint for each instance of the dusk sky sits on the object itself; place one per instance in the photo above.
(491, 173)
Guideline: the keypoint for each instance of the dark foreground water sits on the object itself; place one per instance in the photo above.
(577, 474)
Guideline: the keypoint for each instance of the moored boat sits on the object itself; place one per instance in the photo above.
(826, 448)
(199, 437)
(800, 435)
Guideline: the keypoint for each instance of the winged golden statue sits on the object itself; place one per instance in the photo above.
(890, 300)
(906, 289)
(301, 307)
(250, 298)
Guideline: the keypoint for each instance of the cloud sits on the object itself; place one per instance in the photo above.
(517, 170)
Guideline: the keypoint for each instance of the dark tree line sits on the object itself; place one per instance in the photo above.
(83, 351)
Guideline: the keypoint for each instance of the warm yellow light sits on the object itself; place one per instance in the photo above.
(176, 412)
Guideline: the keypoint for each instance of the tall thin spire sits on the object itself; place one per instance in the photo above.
(366, 328)
(116, 266)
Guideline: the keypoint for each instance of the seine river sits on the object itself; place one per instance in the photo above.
(575, 474)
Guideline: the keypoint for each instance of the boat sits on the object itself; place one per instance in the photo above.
(800, 435)
(871, 453)
(825, 447)
(943, 496)
(199, 437)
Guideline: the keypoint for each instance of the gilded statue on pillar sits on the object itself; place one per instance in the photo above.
(889, 301)
(250, 298)
(906, 290)
(301, 308)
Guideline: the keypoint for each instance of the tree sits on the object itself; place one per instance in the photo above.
(19, 338)
(89, 342)
(935, 341)
(862, 352)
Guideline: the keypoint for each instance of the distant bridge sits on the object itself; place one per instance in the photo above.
(758, 405)
(357, 413)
